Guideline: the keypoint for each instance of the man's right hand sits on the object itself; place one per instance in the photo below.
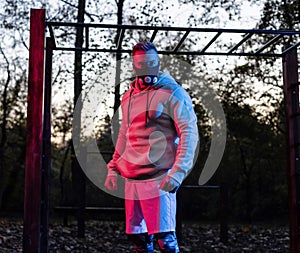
(111, 183)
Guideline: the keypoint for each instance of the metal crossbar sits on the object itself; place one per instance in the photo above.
(121, 30)
(240, 43)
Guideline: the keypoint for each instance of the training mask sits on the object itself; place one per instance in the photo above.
(146, 67)
(148, 75)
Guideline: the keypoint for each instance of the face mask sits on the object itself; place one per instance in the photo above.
(148, 75)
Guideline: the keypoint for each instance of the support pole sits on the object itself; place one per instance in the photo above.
(119, 40)
(32, 192)
(291, 89)
(46, 157)
(223, 213)
(78, 176)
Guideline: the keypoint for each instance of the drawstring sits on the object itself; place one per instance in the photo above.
(128, 109)
(147, 107)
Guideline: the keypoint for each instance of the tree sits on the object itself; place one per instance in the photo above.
(253, 165)
(12, 115)
(280, 15)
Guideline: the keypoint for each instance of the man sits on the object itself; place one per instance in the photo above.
(154, 151)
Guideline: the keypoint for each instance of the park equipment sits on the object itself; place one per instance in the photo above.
(36, 203)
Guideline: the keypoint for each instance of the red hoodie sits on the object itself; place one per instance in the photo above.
(158, 132)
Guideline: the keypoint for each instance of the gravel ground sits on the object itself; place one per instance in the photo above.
(108, 236)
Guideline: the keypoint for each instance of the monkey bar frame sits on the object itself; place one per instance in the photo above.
(36, 202)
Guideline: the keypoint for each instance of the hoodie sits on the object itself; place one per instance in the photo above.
(158, 133)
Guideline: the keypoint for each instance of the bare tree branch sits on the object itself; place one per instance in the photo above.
(22, 40)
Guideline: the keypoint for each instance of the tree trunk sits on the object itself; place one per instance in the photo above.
(78, 176)
(248, 188)
(5, 105)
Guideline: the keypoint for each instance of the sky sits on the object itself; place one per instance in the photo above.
(250, 15)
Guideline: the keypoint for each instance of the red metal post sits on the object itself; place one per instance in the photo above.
(32, 194)
(291, 89)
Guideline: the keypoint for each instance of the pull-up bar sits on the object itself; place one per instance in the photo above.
(121, 30)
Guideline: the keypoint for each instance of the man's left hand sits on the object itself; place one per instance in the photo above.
(169, 184)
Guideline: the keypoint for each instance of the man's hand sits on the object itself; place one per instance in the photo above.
(169, 184)
(111, 183)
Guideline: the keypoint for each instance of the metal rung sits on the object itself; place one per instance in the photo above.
(181, 41)
(120, 39)
(291, 47)
(246, 37)
(153, 35)
(211, 41)
(269, 43)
